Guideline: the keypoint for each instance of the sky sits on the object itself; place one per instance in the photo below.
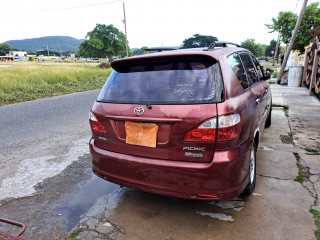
(150, 23)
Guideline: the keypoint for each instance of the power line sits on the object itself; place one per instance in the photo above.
(77, 7)
(30, 20)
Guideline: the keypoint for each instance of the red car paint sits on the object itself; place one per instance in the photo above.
(177, 167)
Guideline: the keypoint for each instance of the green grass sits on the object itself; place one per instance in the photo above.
(302, 173)
(273, 70)
(74, 234)
(290, 134)
(285, 108)
(312, 151)
(316, 216)
(21, 82)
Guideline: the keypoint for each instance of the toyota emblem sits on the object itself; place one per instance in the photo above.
(138, 111)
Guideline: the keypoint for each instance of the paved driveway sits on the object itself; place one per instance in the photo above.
(278, 209)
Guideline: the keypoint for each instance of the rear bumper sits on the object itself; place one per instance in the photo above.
(224, 178)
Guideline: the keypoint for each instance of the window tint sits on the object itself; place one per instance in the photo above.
(170, 82)
(249, 67)
(258, 67)
(238, 69)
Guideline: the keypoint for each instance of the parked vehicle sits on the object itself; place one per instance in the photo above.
(182, 123)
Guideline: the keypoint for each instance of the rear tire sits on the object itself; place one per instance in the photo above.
(251, 171)
(268, 120)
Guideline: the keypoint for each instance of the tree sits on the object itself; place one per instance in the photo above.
(283, 24)
(310, 21)
(198, 40)
(292, 40)
(4, 49)
(44, 52)
(270, 48)
(140, 51)
(256, 48)
(103, 41)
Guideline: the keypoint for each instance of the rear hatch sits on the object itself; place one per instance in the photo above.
(170, 96)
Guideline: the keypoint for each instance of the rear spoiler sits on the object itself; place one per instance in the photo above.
(123, 63)
(160, 49)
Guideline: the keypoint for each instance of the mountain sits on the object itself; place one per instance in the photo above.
(54, 43)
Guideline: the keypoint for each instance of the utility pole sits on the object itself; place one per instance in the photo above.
(293, 38)
(48, 51)
(125, 29)
(276, 50)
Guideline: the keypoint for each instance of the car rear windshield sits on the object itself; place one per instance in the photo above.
(190, 81)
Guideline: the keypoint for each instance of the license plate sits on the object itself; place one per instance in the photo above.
(141, 134)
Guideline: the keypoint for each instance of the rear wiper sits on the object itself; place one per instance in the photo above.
(148, 105)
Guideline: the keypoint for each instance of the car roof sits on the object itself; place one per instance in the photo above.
(218, 51)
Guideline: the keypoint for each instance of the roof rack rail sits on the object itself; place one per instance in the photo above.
(215, 44)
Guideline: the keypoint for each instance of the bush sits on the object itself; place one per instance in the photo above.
(104, 65)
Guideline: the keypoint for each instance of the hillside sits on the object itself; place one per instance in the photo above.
(54, 43)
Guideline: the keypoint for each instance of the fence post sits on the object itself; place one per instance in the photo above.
(314, 71)
(305, 65)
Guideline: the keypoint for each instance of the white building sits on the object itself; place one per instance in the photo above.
(18, 54)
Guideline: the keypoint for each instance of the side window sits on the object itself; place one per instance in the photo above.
(238, 69)
(249, 67)
(258, 67)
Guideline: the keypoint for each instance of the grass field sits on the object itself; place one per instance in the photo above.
(24, 81)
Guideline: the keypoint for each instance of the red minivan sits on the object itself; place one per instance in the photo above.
(182, 123)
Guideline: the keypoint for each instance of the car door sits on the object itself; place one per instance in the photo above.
(256, 87)
(245, 101)
(265, 104)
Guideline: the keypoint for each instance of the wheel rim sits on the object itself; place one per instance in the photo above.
(252, 165)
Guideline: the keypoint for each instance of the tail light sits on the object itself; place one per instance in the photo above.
(227, 128)
(96, 126)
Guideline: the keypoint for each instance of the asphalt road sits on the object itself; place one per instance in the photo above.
(43, 161)
(42, 125)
